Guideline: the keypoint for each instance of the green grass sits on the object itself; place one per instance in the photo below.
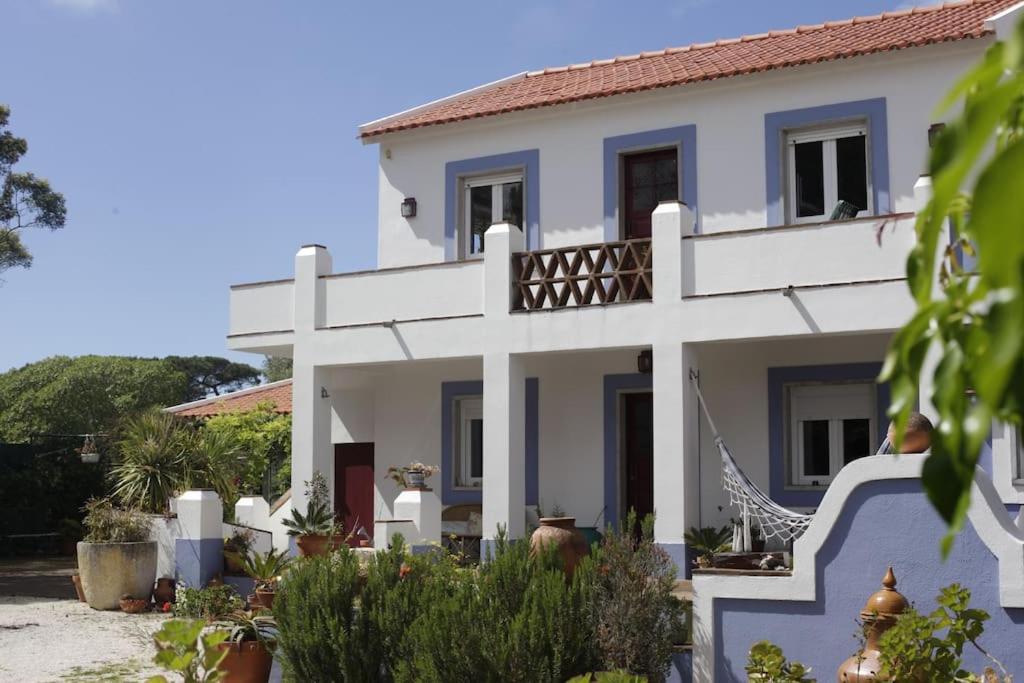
(107, 673)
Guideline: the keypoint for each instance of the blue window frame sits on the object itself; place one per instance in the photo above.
(450, 393)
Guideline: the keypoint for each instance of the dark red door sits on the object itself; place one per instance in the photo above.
(353, 487)
(638, 442)
(649, 178)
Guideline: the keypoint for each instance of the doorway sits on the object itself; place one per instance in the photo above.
(353, 487)
(638, 452)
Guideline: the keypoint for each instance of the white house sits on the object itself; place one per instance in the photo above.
(672, 207)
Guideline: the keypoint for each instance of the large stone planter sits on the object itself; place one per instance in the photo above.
(109, 570)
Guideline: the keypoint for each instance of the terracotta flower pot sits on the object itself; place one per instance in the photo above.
(77, 580)
(313, 545)
(164, 591)
(133, 605)
(246, 662)
(263, 598)
(562, 533)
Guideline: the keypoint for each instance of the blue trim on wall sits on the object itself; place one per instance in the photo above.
(452, 390)
(777, 379)
(685, 140)
(613, 386)
(198, 561)
(528, 160)
(776, 123)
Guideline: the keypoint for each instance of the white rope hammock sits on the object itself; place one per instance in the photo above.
(753, 504)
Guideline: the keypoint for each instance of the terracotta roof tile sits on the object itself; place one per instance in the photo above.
(706, 61)
(277, 393)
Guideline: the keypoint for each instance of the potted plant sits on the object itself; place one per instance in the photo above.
(265, 569)
(249, 648)
(236, 547)
(317, 531)
(116, 556)
(88, 452)
(705, 542)
(412, 476)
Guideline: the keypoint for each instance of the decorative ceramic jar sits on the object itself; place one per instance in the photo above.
(164, 591)
(879, 615)
(561, 532)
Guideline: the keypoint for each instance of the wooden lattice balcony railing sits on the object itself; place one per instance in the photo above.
(592, 274)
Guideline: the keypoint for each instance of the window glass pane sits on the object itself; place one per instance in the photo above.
(480, 217)
(512, 203)
(665, 172)
(641, 173)
(476, 449)
(644, 199)
(810, 179)
(856, 439)
(851, 170)
(815, 438)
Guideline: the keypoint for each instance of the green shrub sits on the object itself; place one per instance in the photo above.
(184, 649)
(320, 637)
(766, 661)
(106, 524)
(638, 618)
(210, 603)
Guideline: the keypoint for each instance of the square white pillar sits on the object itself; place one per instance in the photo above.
(504, 481)
(423, 508)
(311, 430)
(502, 240)
(670, 222)
(676, 485)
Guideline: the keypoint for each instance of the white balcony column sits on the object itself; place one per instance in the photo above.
(501, 240)
(504, 481)
(676, 483)
(311, 403)
(670, 222)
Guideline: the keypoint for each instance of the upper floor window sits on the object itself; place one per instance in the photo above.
(649, 178)
(829, 426)
(469, 442)
(489, 200)
(828, 173)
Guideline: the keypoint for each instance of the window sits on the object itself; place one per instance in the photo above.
(1018, 453)
(469, 442)
(489, 200)
(829, 426)
(648, 178)
(826, 167)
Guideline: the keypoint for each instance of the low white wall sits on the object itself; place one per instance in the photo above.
(262, 541)
(261, 307)
(165, 531)
(254, 512)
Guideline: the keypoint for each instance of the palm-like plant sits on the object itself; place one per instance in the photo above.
(318, 520)
(214, 460)
(151, 466)
(265, 568)
(706, 541)
(248, 627)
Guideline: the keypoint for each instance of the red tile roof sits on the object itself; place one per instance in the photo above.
(277, 393)
(706, 61)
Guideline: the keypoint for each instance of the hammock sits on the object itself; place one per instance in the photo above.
(754, 505)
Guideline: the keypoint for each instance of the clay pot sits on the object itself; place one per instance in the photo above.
(245, 662)
(77, 580)
(263, 598)
(311, 546)
(164, 591)
(110, 570)
(133, 605)
(562, 533)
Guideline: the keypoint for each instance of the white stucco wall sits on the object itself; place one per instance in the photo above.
(728, 114)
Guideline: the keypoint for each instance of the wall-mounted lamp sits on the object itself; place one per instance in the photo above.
(645, 362)
(409, 207)
(323, 393)
(934, 131)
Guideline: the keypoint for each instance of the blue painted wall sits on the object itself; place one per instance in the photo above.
(883, 523)
(198, 561)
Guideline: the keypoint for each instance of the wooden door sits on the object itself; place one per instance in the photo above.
(638, 446)
(353, 487)
(649, 178)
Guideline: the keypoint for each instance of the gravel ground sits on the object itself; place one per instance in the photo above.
(45, 640)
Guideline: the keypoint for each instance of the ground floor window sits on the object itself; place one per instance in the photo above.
(828, 426)
(469, 442)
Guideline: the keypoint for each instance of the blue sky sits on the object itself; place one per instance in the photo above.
(199, 143)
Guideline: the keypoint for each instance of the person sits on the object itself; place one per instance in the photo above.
(918, 436)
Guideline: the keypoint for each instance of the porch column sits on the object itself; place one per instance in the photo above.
(922, 195)
(670, 222)
(311, 403)
(676, 483)
(504, 481)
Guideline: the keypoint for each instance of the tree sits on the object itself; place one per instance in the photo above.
(264, 440)
(276, 369)
(87, 394)
(26, 201)
(212, 374)
(974, 322)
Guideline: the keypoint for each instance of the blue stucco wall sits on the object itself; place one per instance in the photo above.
(198, 561)
(884, 522)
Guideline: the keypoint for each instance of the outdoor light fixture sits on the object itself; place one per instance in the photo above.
(323, 393)
(933, 132)
(645, 362)
(409, 207)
